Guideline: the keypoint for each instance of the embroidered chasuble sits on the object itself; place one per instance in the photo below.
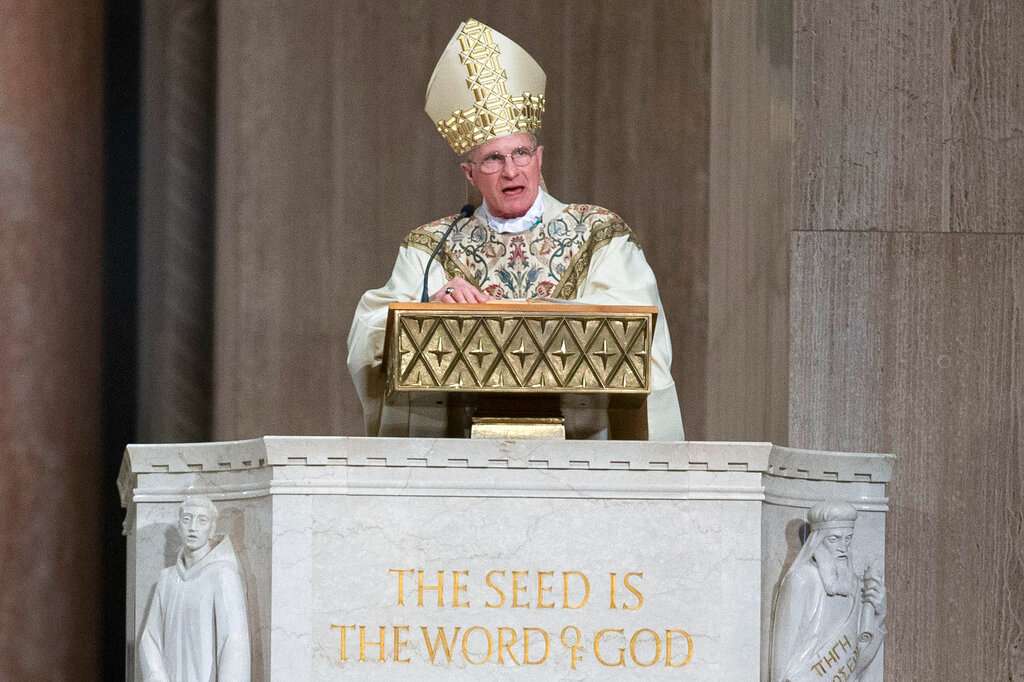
(576, 252)
(547, 260)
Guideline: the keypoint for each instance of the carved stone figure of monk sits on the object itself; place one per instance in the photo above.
(829, 622)
(197, 629)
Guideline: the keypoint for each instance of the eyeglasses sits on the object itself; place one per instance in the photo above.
(492, 163)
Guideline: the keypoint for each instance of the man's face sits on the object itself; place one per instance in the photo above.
(195, 526)
(511, 191)
(837, 542)
(832, 558)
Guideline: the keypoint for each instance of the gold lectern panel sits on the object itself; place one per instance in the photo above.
(519, 348)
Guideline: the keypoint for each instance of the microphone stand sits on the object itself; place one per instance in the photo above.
(466, 212)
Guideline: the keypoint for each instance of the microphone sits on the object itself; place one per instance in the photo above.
(466, 212)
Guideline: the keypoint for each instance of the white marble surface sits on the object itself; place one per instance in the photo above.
(317, 523)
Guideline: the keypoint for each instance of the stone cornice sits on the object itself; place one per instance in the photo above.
(459, 454)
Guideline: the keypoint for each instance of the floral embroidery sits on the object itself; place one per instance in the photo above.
(546, 260)
(518, 256)
(494, 290)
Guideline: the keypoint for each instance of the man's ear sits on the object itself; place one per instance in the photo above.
(540, 156)
(467, 170)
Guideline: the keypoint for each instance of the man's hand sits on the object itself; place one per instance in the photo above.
(458, 290)
(872, 620)
(873, 592)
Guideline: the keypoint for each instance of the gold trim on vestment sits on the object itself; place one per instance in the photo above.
(428, 241)
(579, 266)
(602, 227)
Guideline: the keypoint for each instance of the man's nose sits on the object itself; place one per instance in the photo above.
(508, 168)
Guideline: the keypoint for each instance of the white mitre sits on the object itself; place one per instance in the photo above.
(484, 86)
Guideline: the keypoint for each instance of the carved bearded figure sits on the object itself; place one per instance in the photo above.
(828, 621)
(197, 629)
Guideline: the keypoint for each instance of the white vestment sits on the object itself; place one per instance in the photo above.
(197, 630)
(607, 267)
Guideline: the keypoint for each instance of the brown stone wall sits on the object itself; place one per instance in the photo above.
(326, 160)
(907, 291)
(176, 230)
(749, 214)
(886, 140)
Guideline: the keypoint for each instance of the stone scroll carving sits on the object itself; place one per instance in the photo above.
(197, 629)
(828, 621)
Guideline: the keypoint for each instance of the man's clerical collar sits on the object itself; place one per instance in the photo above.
(531, 218)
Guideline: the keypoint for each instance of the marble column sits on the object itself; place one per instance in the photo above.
(51, 194)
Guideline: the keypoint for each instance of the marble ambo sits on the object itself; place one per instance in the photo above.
(381, 559)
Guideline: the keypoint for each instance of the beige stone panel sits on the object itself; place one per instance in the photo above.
(985, 88)
(278, 347)
(749, 216)
(909, 115)
(326, 160)
(912, 344)
(51, 236)
(872, 126)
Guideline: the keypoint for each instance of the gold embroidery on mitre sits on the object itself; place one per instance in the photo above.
(495, 112)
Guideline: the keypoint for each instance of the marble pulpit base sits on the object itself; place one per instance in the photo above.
(406, 559)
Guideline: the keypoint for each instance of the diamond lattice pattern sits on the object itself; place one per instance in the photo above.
(523, 353)
(486, 78)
